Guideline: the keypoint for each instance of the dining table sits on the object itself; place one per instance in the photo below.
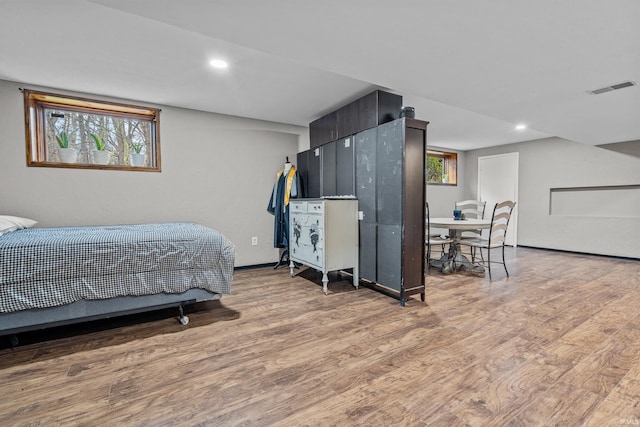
(454, 260)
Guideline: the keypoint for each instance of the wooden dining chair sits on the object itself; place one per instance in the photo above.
(497, 233)
(471, 209)
(433, 239)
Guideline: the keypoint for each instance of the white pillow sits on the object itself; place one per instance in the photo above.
(13, 223)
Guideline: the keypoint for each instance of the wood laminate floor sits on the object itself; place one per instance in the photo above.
(556, 344)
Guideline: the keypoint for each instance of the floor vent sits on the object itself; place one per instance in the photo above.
(617, 86)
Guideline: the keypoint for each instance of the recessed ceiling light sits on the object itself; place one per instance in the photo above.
(617, 86)
(521, 127)
(218, 63)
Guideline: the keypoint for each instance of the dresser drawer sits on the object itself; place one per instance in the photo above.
(306, 219)
(298, 207)
(315, 207)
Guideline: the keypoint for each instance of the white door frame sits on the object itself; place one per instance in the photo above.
(511, 160)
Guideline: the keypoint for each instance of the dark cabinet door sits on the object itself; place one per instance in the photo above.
(389, 256)
(366, 166)
(367, 111)
(323, 130)
(313, 178)
(368, 250)
(328, 165)
(390, 150)
(302, 165)
(345, 167)
(389, 106)
(347, 118)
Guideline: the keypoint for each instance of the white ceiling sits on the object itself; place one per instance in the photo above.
(473, 69)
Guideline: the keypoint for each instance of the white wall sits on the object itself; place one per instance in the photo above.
(558, 163)
(217, 170)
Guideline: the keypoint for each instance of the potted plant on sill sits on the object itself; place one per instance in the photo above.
(67, 154)
(137, 157)
(99, 155)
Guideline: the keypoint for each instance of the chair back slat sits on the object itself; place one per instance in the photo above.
(499, 228)
(502, 215)
(507, 203)
(497, 240)
(500, 222)
(472, 209)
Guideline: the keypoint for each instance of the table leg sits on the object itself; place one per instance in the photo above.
(454, 260)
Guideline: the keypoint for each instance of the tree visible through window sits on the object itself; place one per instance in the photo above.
(442, 167)
(73, 132)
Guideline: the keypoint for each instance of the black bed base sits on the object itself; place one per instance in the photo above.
(88, 310)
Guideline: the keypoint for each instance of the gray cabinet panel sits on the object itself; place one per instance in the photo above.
(328, 165)
(344, 167)
(390, 256)
(368, 250)
(365, 149)
(389, 172)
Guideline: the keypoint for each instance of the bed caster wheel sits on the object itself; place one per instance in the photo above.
(184, 320)
(13, 340)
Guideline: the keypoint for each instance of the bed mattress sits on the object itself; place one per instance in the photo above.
(48, 267)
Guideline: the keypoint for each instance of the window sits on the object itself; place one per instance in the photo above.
(70, 132)
(442, 168)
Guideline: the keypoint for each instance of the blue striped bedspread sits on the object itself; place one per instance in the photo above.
(47, 267)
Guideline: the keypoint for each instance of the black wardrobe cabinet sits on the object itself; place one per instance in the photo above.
(385, 168)
(395, 156)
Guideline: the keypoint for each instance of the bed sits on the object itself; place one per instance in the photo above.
(63, 275)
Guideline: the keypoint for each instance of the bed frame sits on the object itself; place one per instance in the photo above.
(87, 310)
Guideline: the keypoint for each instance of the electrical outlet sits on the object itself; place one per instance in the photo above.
(254, 241)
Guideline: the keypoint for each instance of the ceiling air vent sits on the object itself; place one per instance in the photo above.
(617, 86)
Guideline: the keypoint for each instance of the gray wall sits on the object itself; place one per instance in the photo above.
(442, 198)
(217, 170)
(558, 163)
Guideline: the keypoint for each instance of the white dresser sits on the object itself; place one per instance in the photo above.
(323, 234)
